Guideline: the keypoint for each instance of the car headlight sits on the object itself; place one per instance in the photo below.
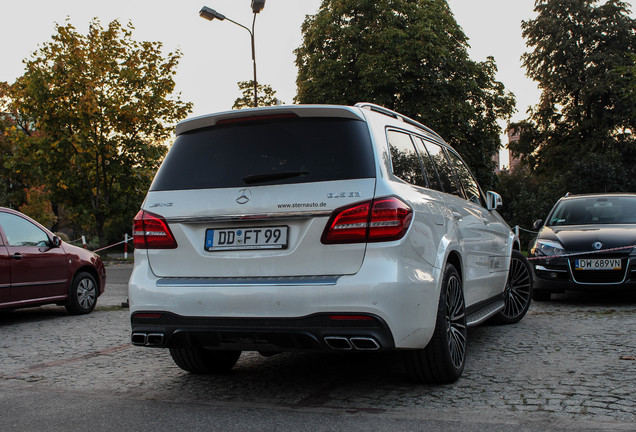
(547, 248)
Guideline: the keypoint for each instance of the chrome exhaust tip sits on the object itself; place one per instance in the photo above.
(147, 339)
(338, 343)
(139, 339)
(154, 339)
(364, 343)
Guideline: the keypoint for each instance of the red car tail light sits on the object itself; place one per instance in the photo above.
(348, 225)
(150, 231)
(384, 219)
(390, 219)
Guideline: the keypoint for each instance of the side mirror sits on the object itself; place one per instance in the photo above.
(493, 200)
(57, 242)
(537, 224)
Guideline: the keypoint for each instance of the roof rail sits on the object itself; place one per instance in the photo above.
(382, 110)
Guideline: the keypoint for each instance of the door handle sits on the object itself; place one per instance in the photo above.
(17, 256)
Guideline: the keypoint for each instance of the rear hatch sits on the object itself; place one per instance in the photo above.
(249, 194)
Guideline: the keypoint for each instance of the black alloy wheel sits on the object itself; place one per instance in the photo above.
(442, 360)
(518, 291)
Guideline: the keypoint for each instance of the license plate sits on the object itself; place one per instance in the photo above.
(598, 264)
(246, 238)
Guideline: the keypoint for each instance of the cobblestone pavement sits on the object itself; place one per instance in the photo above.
(569, 362)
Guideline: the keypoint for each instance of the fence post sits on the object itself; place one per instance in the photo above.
(517, 230)
(84, 241)
(126, 246)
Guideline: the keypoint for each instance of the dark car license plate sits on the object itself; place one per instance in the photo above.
(598, 264)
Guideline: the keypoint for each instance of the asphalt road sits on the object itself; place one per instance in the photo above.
(569, 365)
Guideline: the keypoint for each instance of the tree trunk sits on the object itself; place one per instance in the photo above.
(99, 226)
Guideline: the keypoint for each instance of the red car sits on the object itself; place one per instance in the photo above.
(37, 267)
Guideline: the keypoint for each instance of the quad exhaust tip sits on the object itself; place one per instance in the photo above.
(358, 343)
(336, 343)
(147, 339)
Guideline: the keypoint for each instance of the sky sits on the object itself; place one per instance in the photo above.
(217, 54)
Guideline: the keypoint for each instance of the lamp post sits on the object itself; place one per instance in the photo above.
(257, 6)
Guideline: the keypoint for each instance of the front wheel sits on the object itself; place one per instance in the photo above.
(518, 291)
(443, 359)
(82, 295)
(198, 360)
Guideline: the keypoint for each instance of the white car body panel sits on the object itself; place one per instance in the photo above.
(310, 205)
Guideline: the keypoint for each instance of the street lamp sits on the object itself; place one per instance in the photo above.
(257, 6)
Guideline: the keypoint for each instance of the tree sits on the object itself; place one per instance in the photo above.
(410, 56)
(526, 199)
(583, 127)
(102, 103)
(38, 206)
(266, 95)
(12, 131)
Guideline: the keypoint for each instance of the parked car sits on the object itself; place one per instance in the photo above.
(587, 242)
(317, 227)
(37, 267)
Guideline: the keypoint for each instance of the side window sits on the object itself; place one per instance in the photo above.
(471, 188)
(404, 158)
(444, 169)
(21, 232)
(429, 166)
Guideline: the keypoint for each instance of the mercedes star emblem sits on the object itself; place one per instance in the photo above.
(243, 196)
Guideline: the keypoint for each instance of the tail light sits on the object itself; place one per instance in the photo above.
(384, 219)
(150, 231)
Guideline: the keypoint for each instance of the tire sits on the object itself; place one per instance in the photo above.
(518, 291)
(82, 295)
(443, 359)
(541, 295)
(198, 360)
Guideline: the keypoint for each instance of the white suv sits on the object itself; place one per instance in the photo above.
(319, 227)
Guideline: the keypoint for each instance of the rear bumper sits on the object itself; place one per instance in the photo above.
(317, 332)
(401, 295)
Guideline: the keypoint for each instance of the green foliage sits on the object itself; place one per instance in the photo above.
(12, 185)
(266, 95)
(410, 56)
(527, 198)
(579, 138)
(583, 126)
(38, 206)
(102, 108)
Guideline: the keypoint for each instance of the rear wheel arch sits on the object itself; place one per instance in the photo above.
(455, 259)
(442, 360)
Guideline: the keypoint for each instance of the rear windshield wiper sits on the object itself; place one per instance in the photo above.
(261, 178)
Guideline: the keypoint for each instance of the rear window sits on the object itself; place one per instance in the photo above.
(283, 151)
